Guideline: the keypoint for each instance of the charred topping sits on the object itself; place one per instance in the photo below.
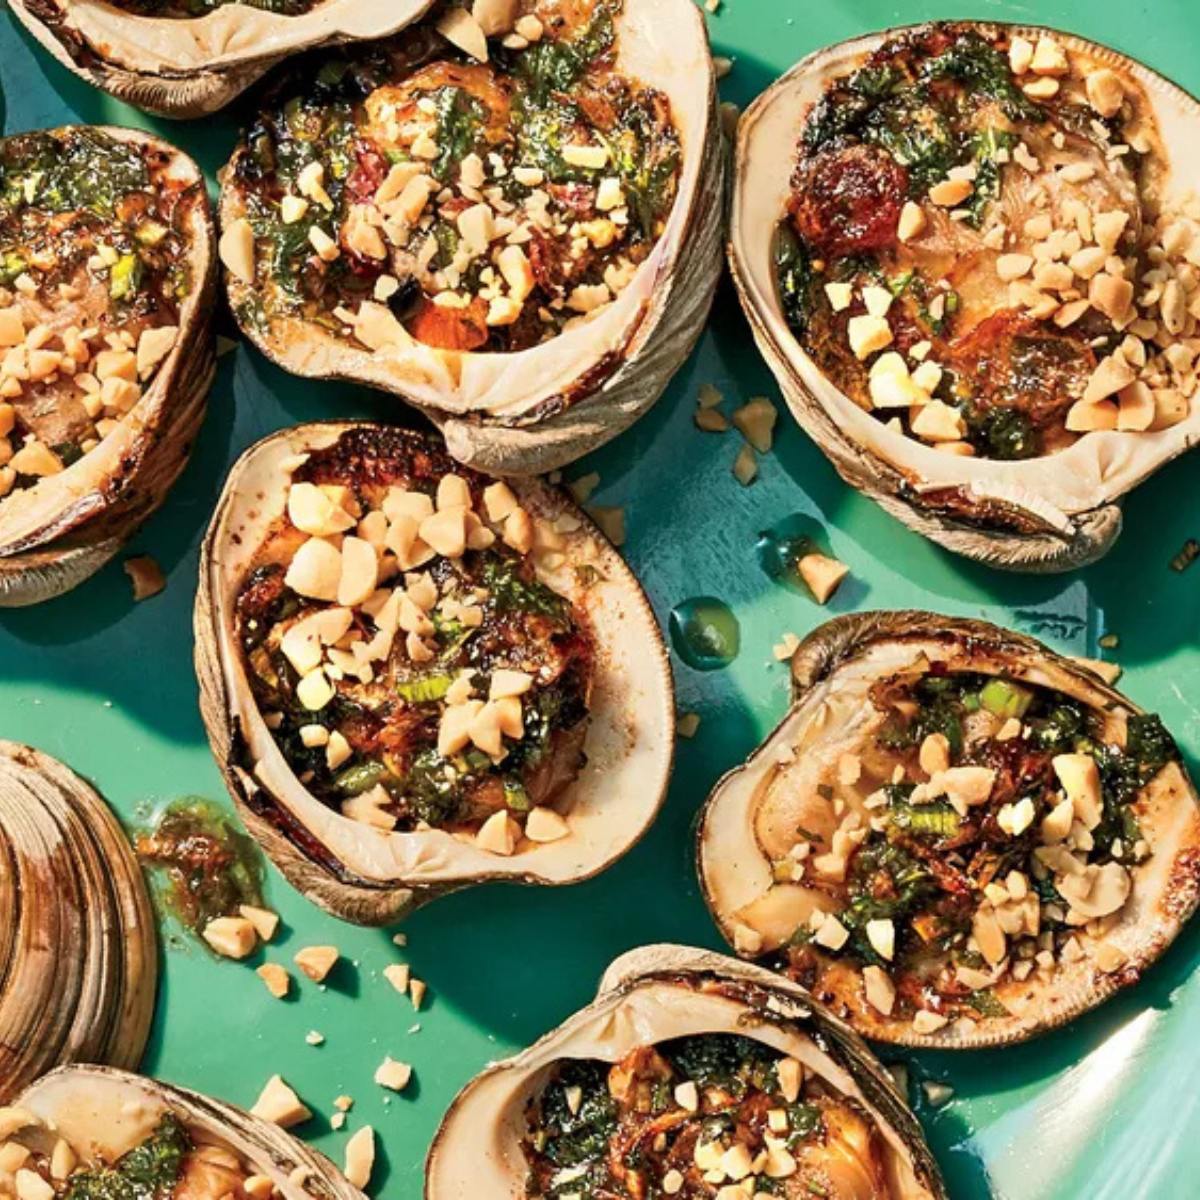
(985, 328)
(95, 229)
(378, 738)
(484, 206)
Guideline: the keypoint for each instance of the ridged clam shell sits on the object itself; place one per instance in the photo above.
(77, 934)
(102, 1113)
(191, 67)
(536, 411)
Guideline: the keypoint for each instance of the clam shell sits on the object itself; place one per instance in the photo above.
(1048, 514)
(537, 410)
(77, 933)
(831, 672)
(102, 1113)
(66, 527)
(371, 878)
(651, 995)
(190, 67)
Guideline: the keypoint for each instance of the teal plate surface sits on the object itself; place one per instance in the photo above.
(1108, 1108)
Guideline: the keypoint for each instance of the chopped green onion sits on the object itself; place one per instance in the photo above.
(124, 276)
(361, 778)
(1005, 699)
(516, 797)
(425, 690)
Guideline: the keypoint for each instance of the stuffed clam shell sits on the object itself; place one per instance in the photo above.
(77, 934)
(690, 1073)
(968, 254)
(416, 677)
(106, 350)
(956, 837)
(180, 58)
(92, 1133)
(517, 234)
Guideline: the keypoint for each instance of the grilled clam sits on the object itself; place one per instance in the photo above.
(518, 235)
(76, 931)
(106, 350)
(94, 1132)
(967, 253)
(183, 59)
(690, 1072)
(956, 837)
(416, 678)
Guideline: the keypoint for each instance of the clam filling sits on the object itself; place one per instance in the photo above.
(985, 833)
(412, 667)
(701, 1116)
(91, 281)
(474, 195)
(170, 1162)
(978, 253)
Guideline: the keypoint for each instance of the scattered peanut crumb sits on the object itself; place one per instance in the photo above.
(416, 991)
(687, 725)
(393, 1075)
(276, 978)
(398, 975)
(611, 522)
(316, 961)
(146, 576)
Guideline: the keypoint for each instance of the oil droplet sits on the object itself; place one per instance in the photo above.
(705, 633)
(780, 549)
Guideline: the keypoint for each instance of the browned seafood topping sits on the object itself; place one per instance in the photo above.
(473, 194)
(707, 1115)
(977, 249)
(91, 282)
(413, 668)
(969, 842)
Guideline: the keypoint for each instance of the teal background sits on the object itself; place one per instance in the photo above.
(1106, 1109)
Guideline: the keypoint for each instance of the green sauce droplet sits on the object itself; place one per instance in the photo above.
(705, 633)
(780, 549)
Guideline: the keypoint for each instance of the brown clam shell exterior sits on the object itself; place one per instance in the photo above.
(1001, 533)
(314, 869)
(104, 1111)
(181, 93)
(77, 932)
(77, 538)
(768, 1000)
(1169, 890)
